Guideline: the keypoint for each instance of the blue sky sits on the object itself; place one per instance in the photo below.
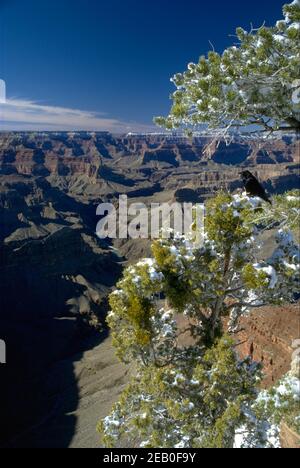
(93, 64)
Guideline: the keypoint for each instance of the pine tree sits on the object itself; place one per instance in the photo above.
(196, 392)
(255, 82)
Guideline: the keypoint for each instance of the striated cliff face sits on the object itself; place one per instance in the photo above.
(31, 152)
(90, 165)
(55, 274)
(268, 335)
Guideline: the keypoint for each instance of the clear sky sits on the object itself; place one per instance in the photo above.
(94, 64)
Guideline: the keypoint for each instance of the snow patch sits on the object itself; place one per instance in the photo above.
(270, 272)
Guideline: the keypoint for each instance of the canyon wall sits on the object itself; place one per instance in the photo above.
(55, 274)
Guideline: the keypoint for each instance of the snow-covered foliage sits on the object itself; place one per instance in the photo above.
(284, 213)
(195, 402)
(254, 82)
(281, 403)
(168, 314)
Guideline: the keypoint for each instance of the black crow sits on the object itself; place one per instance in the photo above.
(253, 187)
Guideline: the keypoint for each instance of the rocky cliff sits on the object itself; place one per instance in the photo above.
(93, 165)
(268, 335)
(55, 274)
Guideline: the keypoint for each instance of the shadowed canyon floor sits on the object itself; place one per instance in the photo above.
(78, 402)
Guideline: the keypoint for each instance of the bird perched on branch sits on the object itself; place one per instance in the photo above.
(253, 186)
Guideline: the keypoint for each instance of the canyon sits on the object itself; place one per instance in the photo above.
(61, 374)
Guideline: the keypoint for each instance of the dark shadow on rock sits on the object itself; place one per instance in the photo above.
(145, 192)
(187, 195)
(43, 414)
(48, 288)
(167, 156)
(283, 184)
(263, 157)
(233, 154)
(38, 393)
(102, 150)
(109, 175)
(28, 403)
